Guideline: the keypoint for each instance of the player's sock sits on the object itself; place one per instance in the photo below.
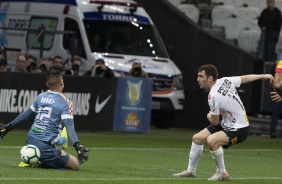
(218, 157)
(194, 156)
(64, 135)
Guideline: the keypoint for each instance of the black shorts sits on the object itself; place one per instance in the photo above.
(235, 135)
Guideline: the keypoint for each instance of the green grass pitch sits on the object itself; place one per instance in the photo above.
(120, 157)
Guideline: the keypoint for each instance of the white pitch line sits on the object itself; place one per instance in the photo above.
(156, 149)
(130, 179)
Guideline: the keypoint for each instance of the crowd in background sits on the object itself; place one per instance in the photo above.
(29, 64)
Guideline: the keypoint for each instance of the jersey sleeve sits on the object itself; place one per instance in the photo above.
(236, 81)
(26, 115)
(69, 124)
(279, 66)
(214, 104)
(67, 112)
(23, 117)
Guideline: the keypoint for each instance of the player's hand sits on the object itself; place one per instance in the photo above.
(275, 97)
(268, 77)
(209, 116)
(4, 129)
(82, 152)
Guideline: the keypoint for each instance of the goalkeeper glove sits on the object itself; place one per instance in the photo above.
(82, 156)
(4, 129)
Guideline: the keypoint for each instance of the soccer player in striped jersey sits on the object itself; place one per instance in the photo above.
(51, 112)
(276, 95)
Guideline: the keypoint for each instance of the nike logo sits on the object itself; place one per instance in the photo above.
(99, 106)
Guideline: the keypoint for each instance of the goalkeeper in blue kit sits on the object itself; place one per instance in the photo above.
(51, 112)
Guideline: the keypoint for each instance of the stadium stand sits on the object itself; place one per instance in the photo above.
(249, 40)
(221, 13)
(233, 20)
(175, 2)
(248, 14)
(217, 1)
(191, 11)
(260, 4)
(234, 3)
(279, 45)
(233, 27)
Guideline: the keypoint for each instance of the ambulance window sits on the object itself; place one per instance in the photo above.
(73, 42)
(123, 38)
(35, 36)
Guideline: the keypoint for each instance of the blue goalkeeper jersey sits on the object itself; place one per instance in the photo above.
(51, 109)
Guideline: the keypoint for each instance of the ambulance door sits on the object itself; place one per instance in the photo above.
(40, 36)
(72, 39)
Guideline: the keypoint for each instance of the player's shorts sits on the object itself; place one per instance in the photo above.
(235, 135)
(50, 155)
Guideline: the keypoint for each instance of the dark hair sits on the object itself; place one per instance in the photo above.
(101, 61)
(57, 57)
(31, 57)
(53, 78)
(210, 70)
(136, 72)
(78, 59)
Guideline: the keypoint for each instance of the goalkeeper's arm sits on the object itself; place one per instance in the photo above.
(81, 150)
(20, 119)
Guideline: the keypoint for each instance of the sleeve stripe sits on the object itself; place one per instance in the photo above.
(66, 116)
(279, 67)
(278, 70)
(32, 108)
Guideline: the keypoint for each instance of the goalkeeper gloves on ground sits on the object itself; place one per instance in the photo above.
(4, 129)
(82, 156)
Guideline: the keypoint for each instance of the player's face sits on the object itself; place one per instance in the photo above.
(203, 80)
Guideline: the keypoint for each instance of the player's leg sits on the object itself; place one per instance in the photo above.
(196, 151)
(224, 139)
(64, 136)
(72, 163)
(215, 143)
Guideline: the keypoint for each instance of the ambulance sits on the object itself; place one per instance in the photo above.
(118, 31)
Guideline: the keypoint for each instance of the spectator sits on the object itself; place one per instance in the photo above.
(57, 64)
(95, 43)
(3, 62)
(137, 71)
(21, 64)
(73, 68)
(100, 70)
(31, 64)
(44, 65)
(270, 24)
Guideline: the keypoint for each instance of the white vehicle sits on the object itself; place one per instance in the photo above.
(119, 31)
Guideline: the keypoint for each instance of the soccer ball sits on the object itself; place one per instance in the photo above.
(30, 154)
